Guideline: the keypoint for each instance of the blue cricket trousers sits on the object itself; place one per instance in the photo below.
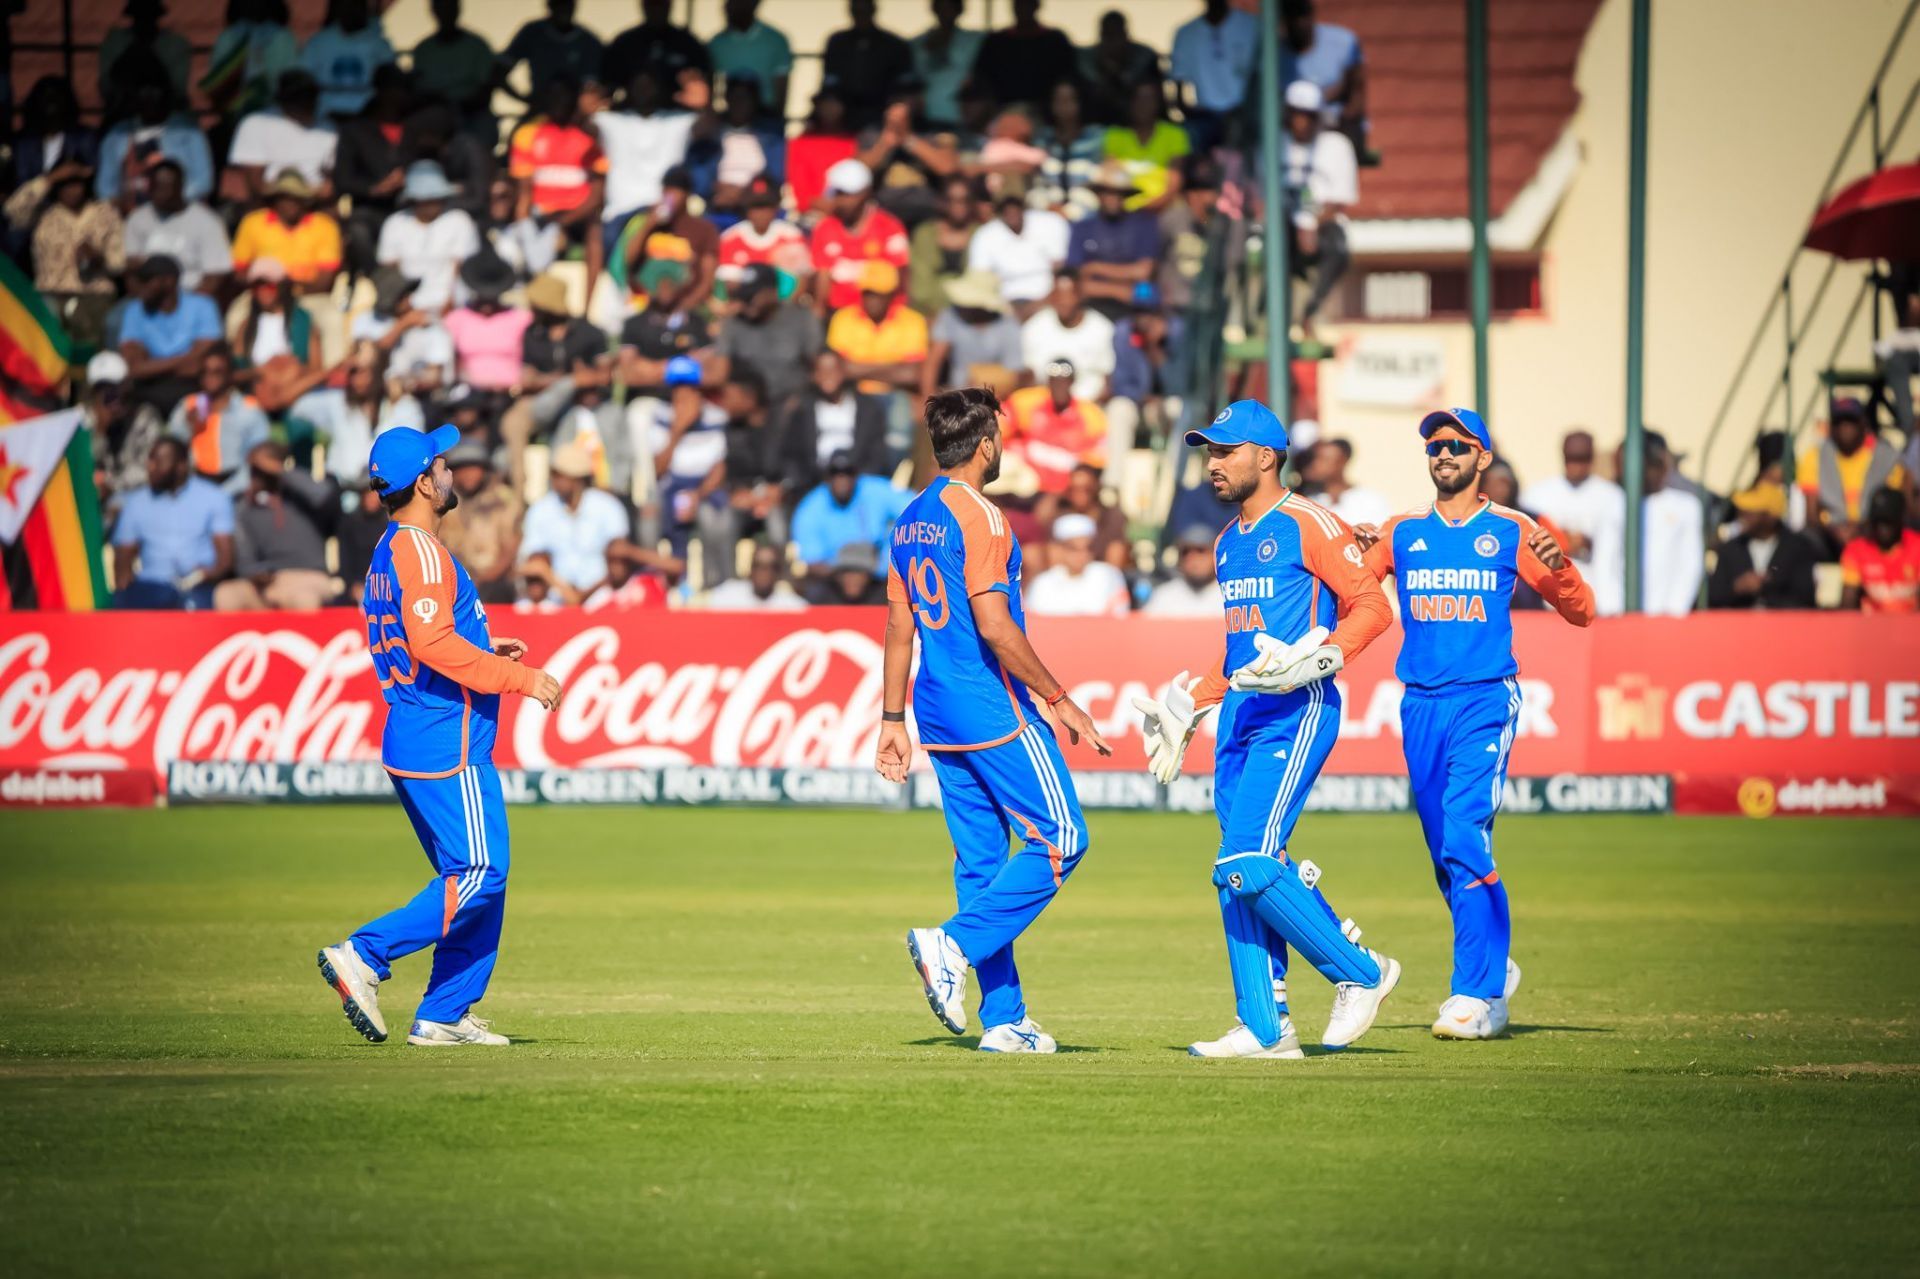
(1019, 788)
(1457, 741)
(462, 824)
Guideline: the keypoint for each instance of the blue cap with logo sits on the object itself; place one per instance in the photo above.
(402, 455)
(1243, 422)
(1464, 420)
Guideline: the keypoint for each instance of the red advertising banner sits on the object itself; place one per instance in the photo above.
(1784, 701)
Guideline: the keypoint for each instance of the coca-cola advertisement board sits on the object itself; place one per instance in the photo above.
(1724, 697)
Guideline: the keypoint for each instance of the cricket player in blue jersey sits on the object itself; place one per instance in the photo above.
(1455, 562)
(1290, 573)
(442, 676)
(953, 579)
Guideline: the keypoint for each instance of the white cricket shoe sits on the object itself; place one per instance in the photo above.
(943, 975)
(1513, 979)
(1355, 1006)
(1464, 1017)
(358, 987)
(468, 1030)
(1241, 1042)
(1023, 1036)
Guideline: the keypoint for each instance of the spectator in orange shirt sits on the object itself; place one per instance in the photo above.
(559, 173)
(855, 231)
(1053, 431)
(288, 229)
(1880, 569)
(882, 339)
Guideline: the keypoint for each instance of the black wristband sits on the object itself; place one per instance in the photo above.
(893, 717)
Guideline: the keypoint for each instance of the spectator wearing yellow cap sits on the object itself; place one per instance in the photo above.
(1767, 564)
(885, 344)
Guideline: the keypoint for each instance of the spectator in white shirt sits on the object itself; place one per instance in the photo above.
(1673, 542)
(187, 231)
(1193, 591)
(425, 239)
(1323, 477)
(567, 532)
(1023, 247)
(1590, 510)
(764, 588)
(1077, 585)
(418, 348)
(640, 143)
(1070, 330)
(1323, 182)
(289, 136)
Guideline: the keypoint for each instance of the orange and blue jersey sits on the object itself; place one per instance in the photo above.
(950, 545)
(427, 632)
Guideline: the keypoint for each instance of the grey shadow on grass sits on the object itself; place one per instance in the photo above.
(1311, 1050)
(1518, 1030)
(971, 1043)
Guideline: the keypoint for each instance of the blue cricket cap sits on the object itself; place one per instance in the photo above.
(402, 455)
(1460, 419)
(683, 370)
(1243, 422)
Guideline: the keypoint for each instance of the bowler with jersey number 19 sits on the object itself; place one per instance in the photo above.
(442, 676)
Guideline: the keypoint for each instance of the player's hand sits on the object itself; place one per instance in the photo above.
(546, 690)
(1079, 724)
(1546, 550)
(1366, 535)
(1167, 727)
(895, 752)
(511, 649)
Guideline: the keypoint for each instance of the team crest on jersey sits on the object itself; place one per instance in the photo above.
(424, 609)
(1487, 544)
(1268, 549)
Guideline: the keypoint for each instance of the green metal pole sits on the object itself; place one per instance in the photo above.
(1477, 189)
(1272, 160)
(1634, 463)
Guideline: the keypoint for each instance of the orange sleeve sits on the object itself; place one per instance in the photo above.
(424, 571)
(1211, 688)
(985, 542)
(1336, 559)
(1379, 557)
(896, 589)
(1568, 592)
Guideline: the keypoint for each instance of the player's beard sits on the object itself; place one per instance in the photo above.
(1233, 494)
(1462, 478)
(448, 500)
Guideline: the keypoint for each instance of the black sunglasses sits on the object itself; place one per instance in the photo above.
(1452, 448)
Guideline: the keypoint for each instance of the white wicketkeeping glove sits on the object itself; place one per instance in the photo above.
(1281, 668)
(1168, 726)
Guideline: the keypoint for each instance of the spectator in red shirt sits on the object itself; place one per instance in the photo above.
(559, 174)
(855, 231)
(1880, 569)
(826, 141)
(1053, 431)
(764, 239)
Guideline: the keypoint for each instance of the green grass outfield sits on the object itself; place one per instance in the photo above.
(725, 1066)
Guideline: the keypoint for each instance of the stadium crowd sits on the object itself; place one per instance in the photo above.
(687, 344)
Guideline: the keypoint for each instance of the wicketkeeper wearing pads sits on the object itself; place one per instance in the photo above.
(1299, 604)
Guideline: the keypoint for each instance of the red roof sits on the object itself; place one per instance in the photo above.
(1416, 53)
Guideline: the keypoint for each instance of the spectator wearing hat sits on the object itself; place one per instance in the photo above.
(1076, 584)
(865, 62)
(144, 37)
(77, 243)
(219, 422)
(483, 530)
(1880, 568)
(425, 239)
(289, 135)
(1024, 248)
(1322, 183)
(1841, 473)
(155, 130)
(1073, 148)
(764, 238)
(122, 430)
(433, 132)
(641, 142)
(671, 245)
(288, 229)
(943, 58)
(748, 46)
(568, 531)
(419, 350)
(1115, 247)
(882, 339)
(164, 333)
(847, 509)
(975, 340)
(1052, 429)
(1113, 67)
(1213, 60)
(850, 580)
(937, 249)
(487, 333)
(566, 386)
(1766, 565)
(455, 66)
(776, 340)
(275, 349)
(1193, 590)
(343, 55)
(174, 537)
(187, 231)
(1149, 366)
(554, 47)
(281, 524)
(764, 589)
(1070, 330)
(1189, 226)
(1329, 57)
(1022, 62)
(558, 171)
(829, 418)
(854, 232)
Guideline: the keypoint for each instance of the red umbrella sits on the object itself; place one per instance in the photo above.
(1876, 217)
